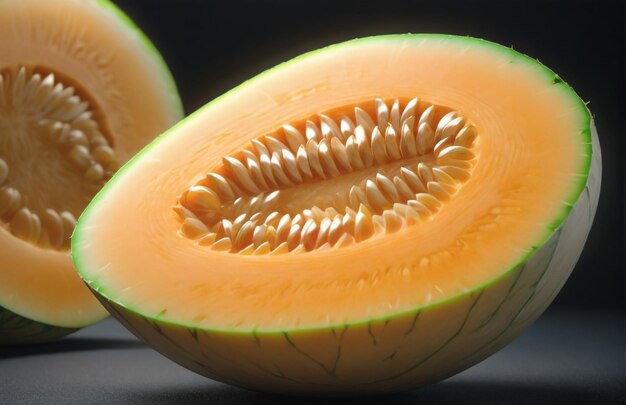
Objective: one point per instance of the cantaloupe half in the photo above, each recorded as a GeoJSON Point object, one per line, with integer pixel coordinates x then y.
{"type": "Point", "coordinates": [370, 217]}
{"type": "Point", "coordinates": [81, 91]}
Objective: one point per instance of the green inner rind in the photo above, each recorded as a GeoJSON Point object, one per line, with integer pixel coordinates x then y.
{"type": "Point", "coordinates": [553, 79]}
{"type": "Point", "coordinates": [169, 84]}
{"type": "Point", "coordinates": [151, 50]}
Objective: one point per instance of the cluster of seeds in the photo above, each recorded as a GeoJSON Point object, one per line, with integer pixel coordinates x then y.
{"type": "Point", "coordinates": [66, 120]}
{"type": "Point", "coordinates": [412, 157]}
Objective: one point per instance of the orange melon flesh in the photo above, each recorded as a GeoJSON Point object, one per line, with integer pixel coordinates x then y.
{"type": "Point", "coordinates": [107, 58]}
{"type": "Point", "coordinates": [532, 161]}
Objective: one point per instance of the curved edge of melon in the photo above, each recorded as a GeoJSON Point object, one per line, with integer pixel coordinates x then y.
{"type": "Point", "coordinates": [29, 330]}
{"type": "Point", "coordinates": [587, 127]}
{"type": "Point", "coordinates": [18, 330]}
{"type": "Point", "coordinates": [151, 50]}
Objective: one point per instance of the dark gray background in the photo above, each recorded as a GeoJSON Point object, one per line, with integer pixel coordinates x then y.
{"type": "Point", "coordinates": [568, 357]}
{"type": "Point", "coordinates": [212, 46]}
{"type": "Point", "coordinates": [573, 354]}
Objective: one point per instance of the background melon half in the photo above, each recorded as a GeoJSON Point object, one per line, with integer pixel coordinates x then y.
{"type": "Point", "coordinates": [81, 91]}
{"type": "Point", "coordinates": [367, 218]}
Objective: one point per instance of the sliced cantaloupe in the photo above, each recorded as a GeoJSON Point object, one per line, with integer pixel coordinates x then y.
{"type": "Point", "coordinates": [370, 217]}
{"type": "Point", "coordinates": [81, 91]}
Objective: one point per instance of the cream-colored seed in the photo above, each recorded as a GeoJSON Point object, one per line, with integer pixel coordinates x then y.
{"type": "Point", "coordinates": [345, 240]}
{"type": "Point", "coordinates": [392, 221]}
{"type": "Point", "coordinates": [194, 228]}
{"type": "Point", "coordinates": [466, 136]}
{"type": "Point", "coordinates": [436, 190]}
{"type": "Point", "coordinates": [386, 200]}
{"type": "Point", "coordinates": [76, 137]}
{"type": "Point", "coordinates": [303, 162]}
{"type": "Point", "coordinates": [356, 197]}
{"type": "Point", "coordinates": [95, 172]}
{"type": "Point", "coordinates": [280, 249]}
{"type": "Point", "coordinates": [21, 225]}
{"type": "Point", "coordinates": [364, 120]}
{"type": "Point", "coordinates": [340, 153]}
{"type": "Point", "coordinates": [291, 166]}
{"type": "Point", "coordinates": [208, 239]}
{"type": "Point", "coordinates": [222, 245]}
{"type": "Point", "coordinates": [424, 172]}
{"type": "Point", "coordinates": [80, 156]}
{"type": "Point", "coordinates": [425, 139]}
{"type": "Point", "coordinates": [69, 223]}
{"type": "Point", "coordinates": [282, 230]}
{"type": "Point", "coordinates": [363, 227]}
{"type": "Point", "coordinates": [279, 171]}
{"type": "Point", "coordinates": [10, 202]}
{"type": "Point", "coordinates": [364, 145]}
{"type": "Point", "coordinates": [274, 145]}
{"type": "Point", "coordinates": [427, 117]}
{"type": "Point", "coordinates": [245, 233]}
{"type": "Point", "coordinates": [457, 173]}
{"type": "Point", "coordinates": [403, 189]}
{"type": "Point", "coordinates": [313, 133]}
{"type": "Point", "coordinates": [238, 170]}
{"type": "Point", "coordinates": [408, 146]}
{"type": "Point", "coordinates": [4, 170]}
{"type": "Point", "coordinates": [202, 198]}
{"type": "Point", "coordinates": [352, 150]}
{"type": "Point", "coordinates": [442, 124]}
{"type": "Point", "coordinates": [347, 126]}
{"type": "Point", "coordinates": [455, 153]}
{"type": "Point", "coordinates": [312, 152]}
{"type": "Point", "coordinates": [329, 127]}
{"type": "Point", "coordinates": [413, 180]}
{"type": "Point", "coordinates": [442, 177]}
{"type": "Point", "coordinates": [382, 114]}
{"type": "Point", "coordinates": [374, 196]}
{"type": "Point", "coordinates": [254, 168]}
{"type": "Point", "coordinates": [428, 201]}
{"type": "Point", "coordinates": [322, 235]}
{"type": "Point", "coordinates": [394, 115]}
{"type": "Point", "coordinates": [293, 136]}
{"type": "Point", "coordinates": [221, 186]}
{"type": "Point", "coordinates": [452, 127]}
{"type": "Point", "coordinates": [408, 214]}
{"type": "Point", "coordinates": [442, 144]}
{"type": "Point", "coordinates": [387, 187]}
{"type": "Point", "coordinates": [391, 144]}
{"type": "Point", "coordinates": [420, 208]}
{"type": "Point", "coordinates": [53, 224]}
{"type": "Point", "coordinates": [263, 249]}
{"type": "Point", "coordinates": [327, 159]}
{"type": "Point", "coordinates": [103, 154]}
{"type": "Point", "coordinates": [378, 147]}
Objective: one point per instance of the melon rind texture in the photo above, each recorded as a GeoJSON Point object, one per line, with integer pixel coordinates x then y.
{"type": "Point", "coordinates": [394, 353]}
{"type": "Point", "coordinates": [17, 329]}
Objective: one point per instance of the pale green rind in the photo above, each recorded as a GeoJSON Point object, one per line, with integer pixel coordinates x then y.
{"type": "Point", "coordinates": [552, 79]}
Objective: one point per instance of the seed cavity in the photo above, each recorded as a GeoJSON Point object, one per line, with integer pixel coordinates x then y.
{"type": "Point", "coordinates": [47, 129]}
{"type": "Point", "coordinates": [332, 180]}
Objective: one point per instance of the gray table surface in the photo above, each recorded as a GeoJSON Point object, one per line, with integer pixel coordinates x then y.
{"type": "Point", "coordinates": [567, 357]}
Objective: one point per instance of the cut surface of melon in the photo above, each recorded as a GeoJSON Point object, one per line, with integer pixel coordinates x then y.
{"type": "Point", "coordinates": [304, 224]}
{"type": "Point", "coordinates": [81, 91]}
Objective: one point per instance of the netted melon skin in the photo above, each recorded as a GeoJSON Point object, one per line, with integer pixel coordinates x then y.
{"type": "Point", "coordinates": [393, 354]}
